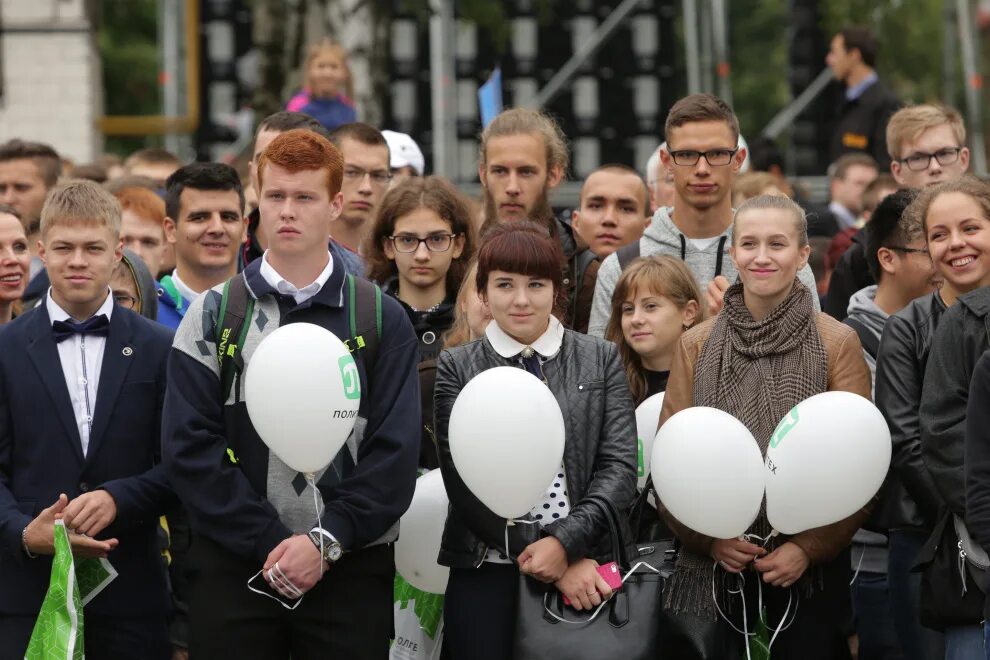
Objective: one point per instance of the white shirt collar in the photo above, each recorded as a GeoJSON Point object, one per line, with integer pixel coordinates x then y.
{"type": "Point", "coordinates": [547, 345]}
{"type": "Point", "coordinates": [187, 293]}
{"type": "Point", "coordinates": [287, 288]}
{"type": "Point", "coordinates": [842, 214]}
{"type": "Point", "coordinates": [56, 313]}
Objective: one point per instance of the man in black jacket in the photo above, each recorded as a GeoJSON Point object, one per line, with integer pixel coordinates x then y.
{"type": "Point", "coordinates": [867, 103]}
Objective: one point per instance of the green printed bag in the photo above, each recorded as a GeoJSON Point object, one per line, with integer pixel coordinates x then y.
{"type": "Point", "coordinates": [418, 623]}
{"type": "Point", "coordinates": [58, 632]}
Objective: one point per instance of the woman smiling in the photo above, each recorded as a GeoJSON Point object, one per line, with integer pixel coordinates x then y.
{"type": "Point", "coordinates": [767, 351]}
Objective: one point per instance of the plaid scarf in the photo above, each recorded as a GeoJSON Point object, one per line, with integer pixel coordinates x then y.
{"type": "Point", "coordinates": [756, 371]}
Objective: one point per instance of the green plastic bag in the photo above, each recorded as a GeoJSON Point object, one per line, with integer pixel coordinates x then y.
{"type": "Point", "coordinates": [58, 632]}
{"type": "Point", "coordinates": [418, 623]}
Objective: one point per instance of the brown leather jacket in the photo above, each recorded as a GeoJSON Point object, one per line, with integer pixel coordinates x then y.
{"type": "Point", "coordinates": [847, 372]}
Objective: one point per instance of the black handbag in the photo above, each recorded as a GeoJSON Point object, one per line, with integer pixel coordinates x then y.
{"type": "Point", "coordinates": [951, 593]}
{"type": "Point", "coordinates": [626, 626]}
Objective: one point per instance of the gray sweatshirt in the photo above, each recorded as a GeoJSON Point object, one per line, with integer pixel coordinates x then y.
{"type": "Point", "coordinates": [863, 309]}
{"type": "Point", "coordinates": [663, 237]}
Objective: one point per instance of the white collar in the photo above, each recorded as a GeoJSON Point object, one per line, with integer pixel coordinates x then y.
{"type": "Point", "coordinates": [547, 345]}
{"type": "Point", "coordinates": [56, 313]}
{"type": "Point", "coordinates": [184, 290]}
{"type": "Point", "coordinates": [285, 287]}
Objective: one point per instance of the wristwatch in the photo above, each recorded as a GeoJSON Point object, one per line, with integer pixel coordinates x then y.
{"type": "Point", "coordinates": [331, 546]}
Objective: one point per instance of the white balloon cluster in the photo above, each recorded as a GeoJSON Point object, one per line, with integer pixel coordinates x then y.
{"type": "Point", "coordinates": [827, 458]}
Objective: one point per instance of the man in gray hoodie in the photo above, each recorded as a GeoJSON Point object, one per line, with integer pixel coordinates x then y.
{"type": "Point", "coordinates": [897, 256]}
{"type": "Point", "coordinates": [704, 155]}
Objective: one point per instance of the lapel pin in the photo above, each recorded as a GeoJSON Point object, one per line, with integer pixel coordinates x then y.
{"type": "Point", "coordinates": [128, 351]}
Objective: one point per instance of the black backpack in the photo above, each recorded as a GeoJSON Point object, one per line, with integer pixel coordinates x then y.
{"type": "Point", "coordinates": [364, 302]}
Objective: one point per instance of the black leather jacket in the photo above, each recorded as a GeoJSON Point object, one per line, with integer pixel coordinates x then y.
{"type": "Point", "coordinates": [588, 381]}
{"type": "Point", "coordinates": [963, 335]}
{"type": "Point", "coordinates": [901, 362]}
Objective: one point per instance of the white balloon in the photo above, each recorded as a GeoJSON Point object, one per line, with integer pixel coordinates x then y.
{"type": "Point", "coordinates": [506, 436]}
{"type": "Point", "coordinates": [302, 391]}
{"type": "Point", "coordinates": [827, 458]}
{"type": "Point", "coordinates": [647, 418]}
{"type": "Point", "coordinates": [708, 471]}
{"type": "Point", "coordinates": [420, 532]}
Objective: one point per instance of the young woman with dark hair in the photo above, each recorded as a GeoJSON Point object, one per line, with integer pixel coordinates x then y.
{"type": "Point", "coordinates": [519, 277]}
{"type": "Point", "coordinates": [420, 247]}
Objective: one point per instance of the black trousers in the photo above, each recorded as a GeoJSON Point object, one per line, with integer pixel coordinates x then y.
{"type": "Point", "coordinates": [348, 614]}
{"type": "Point", "coordinates": [821, 625]}
{"type": "Point", "coordinates": [479, 612]}
{"type": "Point", "coordinates": [105, 638]}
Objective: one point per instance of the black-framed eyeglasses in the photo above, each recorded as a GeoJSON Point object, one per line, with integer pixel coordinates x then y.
{"type": "Point", "coordinates": [714, 157]}
{"type": "Point", "coordinates": [125, 300]}
{"type": "Point", "coordinates": [434, 242]}
{"type": "Point", "coordinates": [907, 250]}
{"type": "Point", "coordinates": [920, 161]}
{"type": "Point", "coordinates": [378, 177]}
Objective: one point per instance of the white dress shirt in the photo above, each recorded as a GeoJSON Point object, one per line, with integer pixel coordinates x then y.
{"type": "Point", "coordinates": [82, 359]}
{"type": "Point", "coordinates": [287, 288]}
{"type": "Point", "coordinates": [555, 504]}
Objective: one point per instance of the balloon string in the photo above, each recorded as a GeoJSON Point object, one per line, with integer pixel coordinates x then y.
{"type": "Point", "coordinates": [311, 480]}
{"type": "Point", "coordinates": [741, 580]}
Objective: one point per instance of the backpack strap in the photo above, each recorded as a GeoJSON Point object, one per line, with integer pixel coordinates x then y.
{"type": "Point", "coordinates": [867, 338]}
{"type": "Point", "coordinates": [364, 317]}
{"type": "Point", "coordinates": [627, 254]}
{"type": "Point", "coordinates": [233, 323]}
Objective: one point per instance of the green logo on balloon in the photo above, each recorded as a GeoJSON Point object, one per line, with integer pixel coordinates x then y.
{"type": "Point", "coordinates": [785, 427]}
{"type": "Point", "coordinates": [642, 467]}
{"type": "Point", "coordinates": [350, 376]}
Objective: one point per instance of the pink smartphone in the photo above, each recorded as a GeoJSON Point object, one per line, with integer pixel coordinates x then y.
{"type": "Point", "coordinates": [610, 573]}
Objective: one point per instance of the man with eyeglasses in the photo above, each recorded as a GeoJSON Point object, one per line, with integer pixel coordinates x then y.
{"type": "Point", "coordinates": [898, 260]}
{"type": "Point", "coordinates": [927, 145]}
{"type": "Point", "coordinates": [366, 177]}
{"type": "Point", "coordinates": [704, 155]}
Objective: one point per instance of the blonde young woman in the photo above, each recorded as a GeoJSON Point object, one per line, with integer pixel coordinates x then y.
{"type": "Point", "coordinates": [765, 352]}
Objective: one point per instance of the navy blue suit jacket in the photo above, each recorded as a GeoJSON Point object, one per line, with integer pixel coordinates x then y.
{"type": "Point", "coordinates": [41, 457]}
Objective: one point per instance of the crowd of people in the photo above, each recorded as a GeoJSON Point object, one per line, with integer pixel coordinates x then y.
{"type": "Point", "coordinates": [133, 296]}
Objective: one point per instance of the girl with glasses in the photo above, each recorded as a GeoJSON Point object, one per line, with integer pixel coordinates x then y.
{"type": "Point", "coordinates": [419, 249]}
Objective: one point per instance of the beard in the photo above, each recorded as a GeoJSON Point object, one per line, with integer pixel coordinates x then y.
{"type": "Point", "coordinates": [541, 213]}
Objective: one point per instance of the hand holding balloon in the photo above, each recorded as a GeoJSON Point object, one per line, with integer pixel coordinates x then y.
{"type": "Point", "coordinates": [545, 560]}
{"type": "Point", "coordinates": [784, 566]}
{"type": "Point", "coordinates": [735, 554]}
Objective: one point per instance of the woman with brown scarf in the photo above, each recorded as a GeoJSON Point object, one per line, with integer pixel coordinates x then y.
{"type": "Point", "coordinates": [767, 351]}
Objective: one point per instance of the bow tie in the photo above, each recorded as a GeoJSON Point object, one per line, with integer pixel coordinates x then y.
{"type": "Point", "coordinates": [98, 326]}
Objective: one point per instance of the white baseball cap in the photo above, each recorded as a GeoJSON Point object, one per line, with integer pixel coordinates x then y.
{"type": "Point", "coordinates": [404, 151]}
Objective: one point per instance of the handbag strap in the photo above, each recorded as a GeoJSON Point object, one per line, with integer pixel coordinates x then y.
{"type": "Point", "coordinates": [616, 536]}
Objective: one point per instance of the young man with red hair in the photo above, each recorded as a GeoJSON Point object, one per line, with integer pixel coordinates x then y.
{"type": "Point", "coordinates": [249, 510]}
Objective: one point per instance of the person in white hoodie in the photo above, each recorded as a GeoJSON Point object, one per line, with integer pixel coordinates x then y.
{"type": "Point", "coordinates": [704, 155]}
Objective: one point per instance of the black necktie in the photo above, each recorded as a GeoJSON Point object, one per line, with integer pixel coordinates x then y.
{"type": "Point", "coordinates": [531, 363]}
{"type": "Point", "coordinates": [97, 326]}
